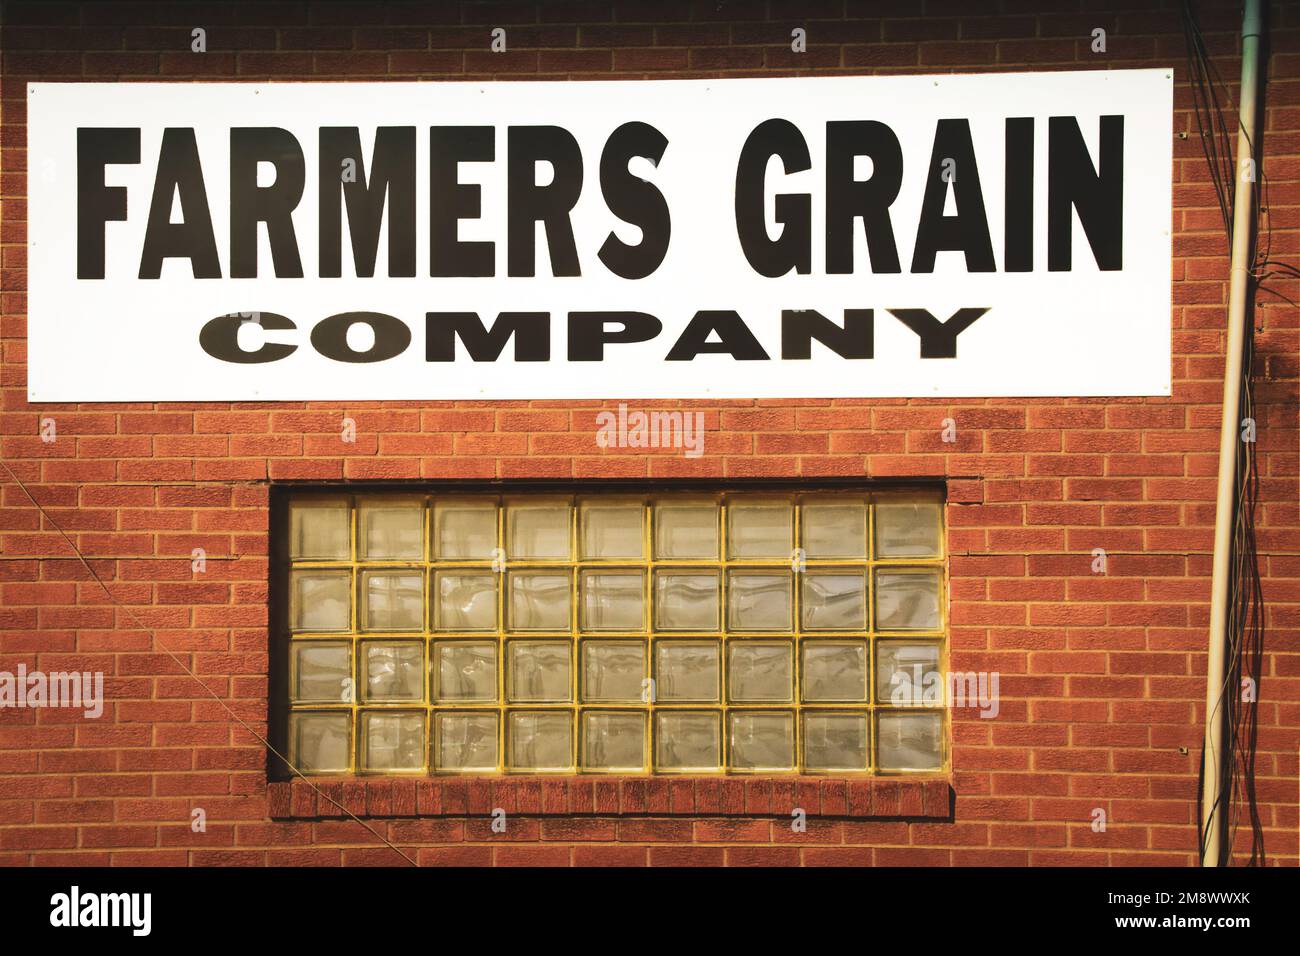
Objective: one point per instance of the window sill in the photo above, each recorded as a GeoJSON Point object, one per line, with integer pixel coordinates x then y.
{"type": "Point", "coordinates": [926, 797]}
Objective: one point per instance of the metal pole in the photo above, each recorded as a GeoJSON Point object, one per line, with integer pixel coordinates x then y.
{"type": "Point", "coordinates": [1212, 815]}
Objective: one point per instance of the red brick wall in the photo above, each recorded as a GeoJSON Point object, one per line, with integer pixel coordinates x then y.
{"type": "Point", "coordinates": [1101, 675]}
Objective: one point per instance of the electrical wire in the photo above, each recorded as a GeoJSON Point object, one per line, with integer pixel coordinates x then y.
{"type": "Point", "coordinates": [1238, 697]}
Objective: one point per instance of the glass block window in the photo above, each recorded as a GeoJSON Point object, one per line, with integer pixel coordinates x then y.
{"type": "Point", "coordinates": [748, 632]}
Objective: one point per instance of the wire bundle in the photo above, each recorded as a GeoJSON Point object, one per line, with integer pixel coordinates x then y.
{"type": "Point", "coordinates": [1245, 631]}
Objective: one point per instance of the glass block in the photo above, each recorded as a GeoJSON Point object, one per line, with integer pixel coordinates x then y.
{"type": "Point", "coordinates": [465, 742]}
{"type": "Point", "coordinates": [390, 530]}
{"type": "Point", "coordinates": [537, 530]}
{"type": "Point", "coordinates": [465, 671]}
{"type": "Point", "coordinates": [320, 600]}
{"type": "Point", "coordinates": [538, 671]}
{"type": "Point", "coordinates": [540, 740]}
{"type": "Point", "coordinates": [834, 601]}
{"type": "Point", "coordinates": [319, 530]}
{"type": "Point", "coordinates": [834, 671]}
{"type": "Point", "coordinates": [762, 741]}
{"type": "Point", "coordinates": [834, 528]}
{"type": "Point", "coordinates": [835, 741]}
{"type": "Point", "coordinates": [686, 601]}
{"type": "Point", "coordinates": [686, 529]}
{"type": "Point", "coordinates": [322, 671]}
{"type": "Point", "coordinates": [759, 600]}
{"type": "Point", "coordinates": [909, 741]}
{"type": "Point", "coordinates": [907, 674]}
{"type": "Point", "coordinates": [613, 741]}
{"type": "Point", "coordinates": [760, 671]}
{"type": "Point", "coordinates": [760, 529]}
{"type": "Point", "coordinates": [908, 529]}
{"type": "Point", "coordinates": [394, 600]}
{"type": "Point", "coordinates": [613, 601]}
{"type": "Point", "coordinates": [320, 743]}
{"type": "Point", "coordinates": [464, 530]}
{"type": "Point", "coordinates": [392, 741]}
{"type": "Point", "coordinates": [907, 600]}
{"type": "Point", "coordinates": [393, 670]}
{"type": "Point", "coordinates": [613, 671]}
{"type": "Point", "coordinates": [466, 601]}
{"type": "Point", "coordinates": [687, 671]}
{"type": "Point", "coordinates": [539, 601]}
{"type": "Point", "coordinates": [688, 740]}
{"type": "Point", "coordinates": [611, 530]}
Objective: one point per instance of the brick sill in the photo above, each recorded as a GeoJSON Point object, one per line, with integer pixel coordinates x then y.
{"type": "Point", "coordinates": [927, 797]}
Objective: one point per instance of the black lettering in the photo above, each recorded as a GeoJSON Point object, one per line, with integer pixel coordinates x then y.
{"type": "Point", "coordinates": [853, 340]}
{"type": "Point", "coordinates": [98, 204]}
{"type": "Point", "coordinates": [848, 199]}
{"type": "Point", "coordinates": [1096, 194]}
{"type": "Point", "coordinates": [450, 200]}
{"type": "Point", "coordinates": [530, 330]}
{"type": "Point", "coordinates": [968, 230]}
{"type": "Point", "coordinates": [634, 200]}
{"type": "Point", "coordinates": [588, 335]}
{"type": "Point", "coordinates": [550, 205]}
{"type": "Point", "coordinates": [938, 339]}
{"type": "Point", "coordinates": [219, 337]}
{"type": "Point", "coordinates": [392, 180]}
{"type": "Point", "coordinates": [1019, 186]}
{"type": "Point", "coordinates": [734, 338]}
{"type": "Point", "coordinates": [793, 250]}
{"type": "Point", "coordinates": [179, 172]}
{"type": "Point", "coordinates": [330, 337]}
{"type": "Point", "coordinates": [273, 205]}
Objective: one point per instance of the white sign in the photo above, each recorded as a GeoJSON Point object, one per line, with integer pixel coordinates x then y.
{"type": "Point", "coordinates": [988, 235]}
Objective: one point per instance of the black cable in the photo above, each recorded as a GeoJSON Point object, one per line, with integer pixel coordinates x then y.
{"type": "Point", "coordinates": [1205, 82]}
{"type": "Point", "coordinates": [1245, 624]}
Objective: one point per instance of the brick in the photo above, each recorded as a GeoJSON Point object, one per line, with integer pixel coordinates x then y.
{"type": "Point", "coordinates": [1101, 674]}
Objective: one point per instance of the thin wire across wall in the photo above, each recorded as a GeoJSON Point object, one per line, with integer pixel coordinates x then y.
{"type": "Point", "coordinates": [155, 642]}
